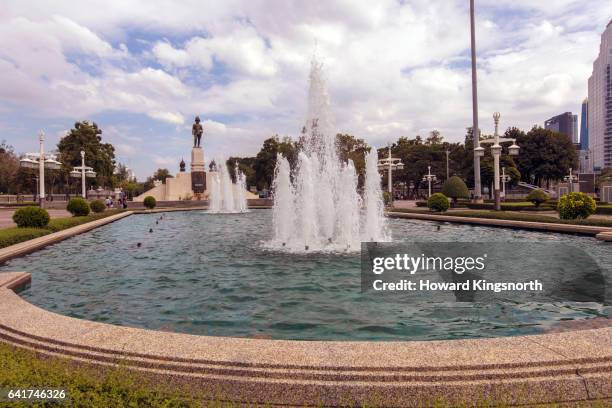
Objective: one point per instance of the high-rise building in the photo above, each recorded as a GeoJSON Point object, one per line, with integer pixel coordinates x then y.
{"type": "Point", "coordinates": [584, 125]}
{"type": "Point", "coordinates": [600, 104]}
{"type": "Point", "coordinates": [566, 124]}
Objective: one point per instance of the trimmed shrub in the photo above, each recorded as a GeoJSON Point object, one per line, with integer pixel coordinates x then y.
{"type": "Point", "coordinates": [78, 207]}
{"type": "Point", "coordinates": [97, 206]}
{"type": "Point", "coordinates": [150, 202]}
{"type": "Point", "coordinates": [438, 202]}
{"type": "Point", "coordinates": [455, 188]}
{"type": "Point", "coordinates": [12, 236]}
{"type": "Point", "coordinates": [576, 205]}
{"type": "Point", "coordinates": [31, 217]}
{"type": "Point", "coordinates": [537, 197]}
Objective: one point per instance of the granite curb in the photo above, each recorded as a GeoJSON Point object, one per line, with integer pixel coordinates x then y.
{"type": "Point", "coordinates": [559, 367]}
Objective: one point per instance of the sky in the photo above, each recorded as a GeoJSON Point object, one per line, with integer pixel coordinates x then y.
{"type": "Point", "coordinates": [142, 70]}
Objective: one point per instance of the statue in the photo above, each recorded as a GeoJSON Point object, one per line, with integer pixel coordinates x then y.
{"type": "Point", "coordinates": [196, 131]}
{"type": "Point", "coordinates": [182, 165]}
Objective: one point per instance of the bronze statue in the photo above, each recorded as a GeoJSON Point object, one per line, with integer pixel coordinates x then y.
{"type": "Point", "coordinates": [196, 131]}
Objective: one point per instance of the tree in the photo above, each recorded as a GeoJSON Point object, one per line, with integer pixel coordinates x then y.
{"type": "Point", "coordinates": [351, 148]}
{"type": "Point", "coordinates": [9, 169]}
{"type": "Point", "coordinates": [100, 156]}
{"type": "Point", "coordinates": [162, 175]}
{"type": "Point", "coordinates": [434, 138]}
{"type": "Point", "coordinates": [265, 161]}
{"type": "Point", "coordinates": [545, 155]}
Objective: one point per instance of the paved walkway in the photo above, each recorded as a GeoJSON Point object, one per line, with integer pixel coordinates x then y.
{"type": "Point", "coordinates": [6, 216]}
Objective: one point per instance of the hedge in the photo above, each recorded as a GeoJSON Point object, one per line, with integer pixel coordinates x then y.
{"type": "Point", "coordinates": [88, 386]}
{"type": "Point", "coordinates": [516, 206]}
{"type": "Point", "coordinates": [500, 215]}
{"type": "Point", "coordinates": [11, 236]}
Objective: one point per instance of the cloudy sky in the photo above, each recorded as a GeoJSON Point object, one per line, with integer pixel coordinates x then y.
{"type": "Point", "coordinates": [143, 69]}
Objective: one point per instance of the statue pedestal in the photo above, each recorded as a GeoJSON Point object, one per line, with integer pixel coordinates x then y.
{"type": "Point", "coordinates": [198, 175]}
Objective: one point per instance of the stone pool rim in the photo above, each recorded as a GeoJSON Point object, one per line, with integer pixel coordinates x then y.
{"type": "Point", "coordinates": [557, 367]}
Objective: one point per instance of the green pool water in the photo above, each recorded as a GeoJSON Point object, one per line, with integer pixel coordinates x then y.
{"type": "Point", "coordinates": [212, 274]}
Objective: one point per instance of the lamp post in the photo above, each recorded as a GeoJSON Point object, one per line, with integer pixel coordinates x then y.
{"type": "Point", "coordinates": [478, 151]}
{"type": "Point", "coordinates": [447, 172]}
{"type": "Point", "coordinates": [429, 178]}
{"type": "Point", "coordinates": [390, 164]}
{"type": "Point", "coordinates": [40, 161]}
{"type": "Point", "coordinates": [504, 178]}
{"type": "Point", "coordinates": [570, 178]}
{"type": "Point", "coordinates": [83, 171]}
{"type": "Point", "coordinates": [496, 151]}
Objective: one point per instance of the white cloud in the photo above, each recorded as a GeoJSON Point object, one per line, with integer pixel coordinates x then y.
{"type": "Point", "coordinates": [393, 69]}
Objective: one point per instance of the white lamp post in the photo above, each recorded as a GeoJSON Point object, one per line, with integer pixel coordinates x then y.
{"type": "Point", "coordinates": [496, 151]}
{"type": "Point", "coordinates": [41, 161]}
{"type": "Point", "coordinates": [570, 178]}
{"type": "Point", "coordinates": [390, 164]}
{"type": "Point", "coordinates": [83, 171]}
{"type": "Point", "coordinates": [429, 178]}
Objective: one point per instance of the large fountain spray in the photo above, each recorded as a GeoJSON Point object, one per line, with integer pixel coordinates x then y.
{"type": "Point", "coordinates": [317, 207]}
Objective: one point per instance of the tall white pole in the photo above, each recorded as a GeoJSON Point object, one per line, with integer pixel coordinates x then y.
{"type": "Point", "coordinates": [496, 149]}
{"type": "Point", "coordinates": [41, 169]}
{"type": "Point", "coordinates": [571, 182]}
{"type": "Point", "coordinates": [447, 172]}
{"type": "Point", "coordinates": [390, 186]}
{"type": "Point", "coordinates": [429, 179]}
{"type": "Point", "coordinates": [475, 128]}
{"type": "Point", "coordinates": [82, 173]}
{"type": "Point", "coordinates": [504, 181]}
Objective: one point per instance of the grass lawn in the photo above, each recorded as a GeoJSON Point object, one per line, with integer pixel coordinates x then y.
{"type": "Point", "coordinates": [87, 386]}
{"type": "Point", "coordinates": [513, 216]}
{"type": "Point", "coordinates": [15, 235]}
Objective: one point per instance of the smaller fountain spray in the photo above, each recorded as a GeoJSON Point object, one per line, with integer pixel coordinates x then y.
{"type": "Point", "coordinates": [225, 196]}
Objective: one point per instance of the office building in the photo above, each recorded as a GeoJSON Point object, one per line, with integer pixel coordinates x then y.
{"type": "Point", "coordinates": [600, 105]}
{"type": "Point", "coordinates": [566, 124]}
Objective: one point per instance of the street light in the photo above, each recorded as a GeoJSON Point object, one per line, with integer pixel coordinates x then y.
{"type": "Point", "coordinates": [429, 178]}
{"type": "Point", "coordinates": [82, 171]}
{"type": "Point", "coordinates": [496, 151]}
{"type": "Point", "coordinates": [390, 164]}
{"type": "Point", "coordinates": [570, 178]}
{"type": "Point", "coordinates": [41, 161]}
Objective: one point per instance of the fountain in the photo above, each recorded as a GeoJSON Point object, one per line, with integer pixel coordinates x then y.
{"type": "Point", "coordinates": [225, 196]}
{"type": "Point", "coordinates": [317, 207]}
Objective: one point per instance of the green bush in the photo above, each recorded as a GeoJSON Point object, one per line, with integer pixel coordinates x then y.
{"type": "Point", "coordinates": [576, 205]}
{"type": "Point", "coordinates": [455, 188]}
{"type": "Point", "coordinates": [78, 207]}
{"type": "Point", "coordinates": [31, 217]}
{"type": "Point", "coordinates": [97, 206]}
{"type": "Point", "coordinates": [438, 202]}
{"type": "Point", "coordinates": [150, 202]}
{"type": "Point", "coordinates": [537, 197]}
